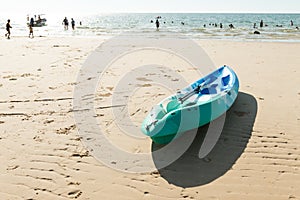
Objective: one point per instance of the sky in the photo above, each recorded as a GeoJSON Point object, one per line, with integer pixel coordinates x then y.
{"type": "Point", "coordinates": [158, 6]}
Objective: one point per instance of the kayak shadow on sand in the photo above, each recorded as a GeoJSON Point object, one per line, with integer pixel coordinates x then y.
{"type": "Point", "coordinates": [190, 171]}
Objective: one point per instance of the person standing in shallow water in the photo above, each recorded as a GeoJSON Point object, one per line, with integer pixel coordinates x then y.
{"type": "Point", "coordinates": [261, 24]}
{"type": "Point", "coordinates": [73, 23]}
{"type": "Point", "coordinates": [30, 31]}
{"type": "Point", "coordinates": [8, 27]}
{"type": "Point", "coordinates": [157, 24]}
{"type": "Point", "coordinates": [66, 23]}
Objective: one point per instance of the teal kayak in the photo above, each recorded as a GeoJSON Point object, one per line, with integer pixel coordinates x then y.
{"type": "Point", "coordinates": [196, 105]}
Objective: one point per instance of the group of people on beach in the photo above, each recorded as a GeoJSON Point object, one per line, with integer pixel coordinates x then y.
{"type": "Point", "coordinates": [66, 23]}
{"type": "Point", "coordinates": [31, 25]}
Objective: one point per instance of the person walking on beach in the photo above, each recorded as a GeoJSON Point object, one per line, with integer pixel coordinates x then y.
{"type": "Point", "coordinates": [8, 27]}
{"type": "Point", "coordinates": [30, 31]}
{"type": "Point", "coordinates": [73, 23]}
{"type": "Point", "coordinates": [261, 24]}
{"type": "Point", "coordinates": [66, 23]}
{"type": "Point", "coordinates": [157, 24]}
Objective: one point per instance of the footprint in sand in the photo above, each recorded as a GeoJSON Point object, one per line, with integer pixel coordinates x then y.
{"type": "Point", "coordinates": [74, 183]}
{"type": "Point", "coordinates": [74, 194]}
{"type": "Point", "coordinates": [49, 121]}
{"type": "Point", "coordinates": [110, 88]}
{"type": "Point", "coordinates": [52, 88]}
{"type": "Point", "coordinates": [90, 78]}
{"type": "Point", "coordinates": [105, 95]}
{"type": "Point", "coordinates": [67, 130]}
{"type": "Point", "coordinates": [56, 45]}
{"type": "Point", "coordinates": [37, 138]}
{"type": "Point", "coordinates": [144, 85]}
{"type": "Point", "coordinates": [26, 75]}
{"type": "Point", "coordinates": [143, 79]}
{"type": "Point", "coordinates": [10, 168]}
{"type": "Point", "coordinates": [72, 84]}
{"type": "Point", "coordinates": [81, 155]}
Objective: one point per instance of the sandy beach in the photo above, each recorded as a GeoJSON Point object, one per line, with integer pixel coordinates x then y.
{"type": "Point", "coordinates": [42, 156]}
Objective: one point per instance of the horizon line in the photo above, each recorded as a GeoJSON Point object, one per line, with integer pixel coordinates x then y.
{"type": "Point", "coordinates": [170, 12]}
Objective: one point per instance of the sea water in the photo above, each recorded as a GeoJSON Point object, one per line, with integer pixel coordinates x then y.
{"type": "Point", "coordinates": [277, 27]}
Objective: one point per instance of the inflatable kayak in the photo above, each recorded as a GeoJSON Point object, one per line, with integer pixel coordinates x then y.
{"type": "Point", "coordinates": [196, 105]}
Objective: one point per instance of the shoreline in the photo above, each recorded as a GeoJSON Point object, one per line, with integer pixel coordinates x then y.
{"type": "Point", "coordinates": [104, 38]}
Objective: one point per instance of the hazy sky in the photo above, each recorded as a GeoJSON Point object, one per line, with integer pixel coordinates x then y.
{"type": "Point", "coordinates": [100, 6]}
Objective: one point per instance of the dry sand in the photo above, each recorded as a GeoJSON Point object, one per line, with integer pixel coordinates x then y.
{"type": "Point", "coordinates": [42, 157]}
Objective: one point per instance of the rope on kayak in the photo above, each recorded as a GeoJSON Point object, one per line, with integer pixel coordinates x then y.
{"type": "Point", "coordinates": [188, 95]}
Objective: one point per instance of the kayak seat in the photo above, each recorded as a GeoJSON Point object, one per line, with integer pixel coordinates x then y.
{"type": "Point", "coordinates": [172, 105]}
{"type": "Point", "coordinates": [211, 90]}
{"type": "Point", "coordinates": [225, 80]}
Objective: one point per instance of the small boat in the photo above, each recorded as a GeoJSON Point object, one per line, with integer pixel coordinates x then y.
{"type": "Point", "coordinates": [40, 22]}
{"type": "Point", "coordinates": [196, 105]}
